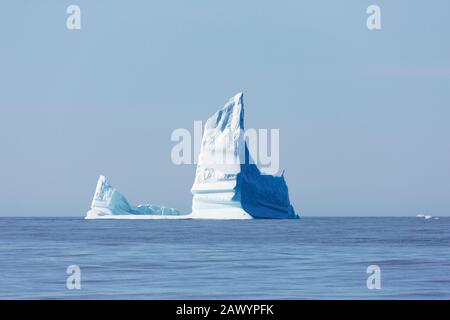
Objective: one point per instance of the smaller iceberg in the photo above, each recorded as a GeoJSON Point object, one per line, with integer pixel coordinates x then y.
{"type": "Point", "coordinates": [426, 217]}
{"type": "Point", "coordinates": [110, 203]}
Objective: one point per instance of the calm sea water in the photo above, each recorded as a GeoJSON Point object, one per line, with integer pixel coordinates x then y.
{"type": "Point", "coordinates": [260, 259]}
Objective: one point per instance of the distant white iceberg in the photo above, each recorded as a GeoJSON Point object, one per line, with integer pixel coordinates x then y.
{"type": "Point", "coordinates": [110, 203]}
{"type": "Point", "coordinates": [234, 189]}
{"type": "Point", "coordinates": [426, 217]}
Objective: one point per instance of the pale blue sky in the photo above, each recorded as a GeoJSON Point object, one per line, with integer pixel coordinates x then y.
{"type": "Point", "coordinates": [363, 115]}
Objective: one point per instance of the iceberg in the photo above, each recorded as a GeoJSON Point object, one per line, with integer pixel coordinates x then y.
{"type": "Point", "coordinates": [228, 185]}
{"type": "Point", "coordinates": [110, 203]}
{"type": "Point", "coordinates": [426, 217]}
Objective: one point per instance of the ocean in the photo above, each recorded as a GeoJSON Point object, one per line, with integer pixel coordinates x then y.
{"type": "Point", "coordinates": [310, 258]}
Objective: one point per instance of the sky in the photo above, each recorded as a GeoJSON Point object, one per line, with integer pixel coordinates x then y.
{"type": "Point", "coordinates": [363, 115]}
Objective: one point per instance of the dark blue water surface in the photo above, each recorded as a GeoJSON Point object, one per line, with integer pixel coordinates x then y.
{"type": "Point", "coordinates": [192, 259]}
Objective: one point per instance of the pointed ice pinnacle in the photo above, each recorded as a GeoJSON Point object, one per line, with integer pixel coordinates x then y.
{"type": "Point", "coordinates": [108, 202]}
{"type": "Point", "coordinates": [227, 183]}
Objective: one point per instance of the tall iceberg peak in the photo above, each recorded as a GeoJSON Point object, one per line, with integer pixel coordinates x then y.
{"type": "Point", "coordinates": [222, 143]}
{"type": "Point", "coordinates": [108, 202]}
{"type": "Point", "coordinates": [227, 184]}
